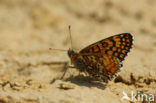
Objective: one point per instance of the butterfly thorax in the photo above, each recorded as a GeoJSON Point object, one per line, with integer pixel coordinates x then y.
{"type": "Point", "coordinates": [77, 60]}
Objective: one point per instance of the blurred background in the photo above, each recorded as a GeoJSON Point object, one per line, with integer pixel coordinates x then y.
{"type": "Point", "coordinates": [28, 28]}
{"type": "Point", "coordinates": [37, 25]}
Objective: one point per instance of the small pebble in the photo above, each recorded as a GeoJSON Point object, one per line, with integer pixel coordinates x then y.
{"type": "Point", "coordinates": [67, 86]}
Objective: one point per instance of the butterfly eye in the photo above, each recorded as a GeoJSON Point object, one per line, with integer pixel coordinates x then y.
{"type": "Point", "coordinates": [71, 53]}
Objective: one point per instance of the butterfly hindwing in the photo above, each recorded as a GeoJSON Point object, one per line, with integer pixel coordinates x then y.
{"type": "Point", "coordinates": [101, 65]}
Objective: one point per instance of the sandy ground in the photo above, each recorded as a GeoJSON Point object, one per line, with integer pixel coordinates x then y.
{"type": "Point", "coordinates": [30, 72]}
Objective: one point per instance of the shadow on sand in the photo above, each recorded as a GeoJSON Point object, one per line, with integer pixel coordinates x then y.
{"type": "Point", "coordinates": [86, 81]}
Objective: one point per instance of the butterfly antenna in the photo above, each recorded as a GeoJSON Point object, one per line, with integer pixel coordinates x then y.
{"type": "Point", "coordinates": [70, 37]}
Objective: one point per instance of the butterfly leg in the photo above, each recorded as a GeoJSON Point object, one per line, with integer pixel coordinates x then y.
{"type": "Point", "coordinates": [66, 70]}
{"type": "Point", "coordinates": [104, 78]}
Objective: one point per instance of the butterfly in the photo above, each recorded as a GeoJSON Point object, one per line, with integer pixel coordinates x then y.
{"type": "Point", "coordinates": [102, 59]}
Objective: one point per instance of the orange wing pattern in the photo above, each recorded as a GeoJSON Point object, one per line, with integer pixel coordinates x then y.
{"type": "Point", "coordinates": [117, 45]}
{"type": "Point", "coordinates": [104, 66]}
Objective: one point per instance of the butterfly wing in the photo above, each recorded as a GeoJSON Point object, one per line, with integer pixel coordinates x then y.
{"type": "Point", "coordinates": [117, 46]}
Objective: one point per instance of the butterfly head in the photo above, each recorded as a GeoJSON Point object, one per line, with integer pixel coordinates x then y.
{"type": "Point", "coordinates": [71, 52]}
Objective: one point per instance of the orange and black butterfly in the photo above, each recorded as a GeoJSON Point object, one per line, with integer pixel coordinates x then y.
{"type": "Point", "coordinates": [102, 59]}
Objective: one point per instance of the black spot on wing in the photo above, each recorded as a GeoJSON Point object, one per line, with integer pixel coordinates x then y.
{"type": "Point", "coordinates": [125, 46]}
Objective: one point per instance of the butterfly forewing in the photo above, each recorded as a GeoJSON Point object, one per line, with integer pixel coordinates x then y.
{"type": "Point", "coordinates": [118, 46]}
